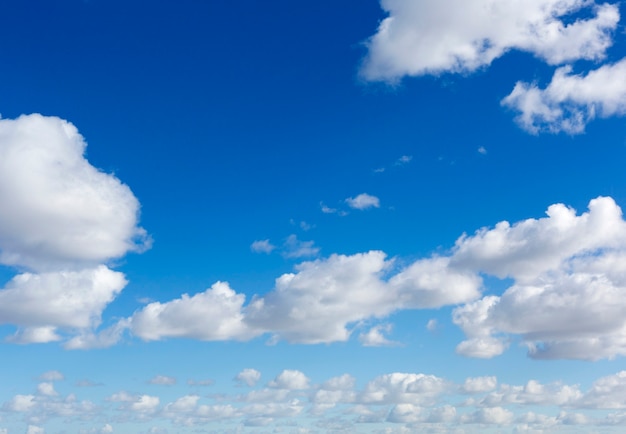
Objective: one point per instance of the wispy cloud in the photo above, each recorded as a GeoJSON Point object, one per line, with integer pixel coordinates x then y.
{"type": "Point", "coordinates": [363, 201]}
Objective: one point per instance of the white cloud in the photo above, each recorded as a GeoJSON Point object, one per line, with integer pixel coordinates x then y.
{"type": "Point", "coordinates": [432, 283]}
{"type": "Point", "coordinates": [375, 337]}
{"type": "Point", "coordinates": [39, 303]}
{"type": "Point", "coordinates": [531, 247]}
{"type": "Point", "coordinates": [262, 246]}
{"type": "Point", "coordinates": [145, 404]}
{"type": "Point", "coordinates": [363, 201]}
{"type": "Point", "coordinates": [291, 380]}
{"type": "Point", "coordinates": [569, 273]}
{"type": "Point", "coordinates": [403, 388]}
{"type": "Point", "coordinates": [570, 101]}
{"type": "Point", "coordinates": [432, 325]}
{"type": "Point", "coordinates": [294, 248]}
{"type": "Point", "coordinates": [33, 429]}
{"type": "Point", "coordinates": [60, 219]}
{"type": "Point", "coordinates": [432, 36]}
{"type": "Point", "coordinates": [248, 376]}
{"type": "Point", "coordinates": [490, 416]}
{"type": "Point", "coordinates": [213, 315]}
{"type": "Point", "coordinates": [56, 210]}
{"type": "Point", "coordinates": [405, 159]}
{"type": "Point", "coordinates": [163, 380]}
{"type": "Point", "coordinates": [479, 384]}
{"type": "Point", "coordinates": [482, 150]}
{"type": "Point", "coordinates": [20, 403]}
{"type": "Point", "coordinates": [316, 303]}
{"type": "Point", "coordinates": [46, 389]}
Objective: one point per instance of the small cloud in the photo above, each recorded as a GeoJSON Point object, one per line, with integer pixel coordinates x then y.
{"type": "Point", "coordinates": [363, 201]}
{"type": "Point", "coordinates": [248, 377]}
{"type": "Point", "coordinates": [262, 246]}
{"type": "Point", "coordinates": [432, 325]}
{"type": "Point", "coordinates": [163, 380]}
{"type": "Point", "coordinates": [46, 389]}
{"type": "Point", "coordinates": [482, 150]}
{"type": "Point", "coordinates": [327, 210]}
{"type": "Point", "coordinates": [294, 248]}
{"type": "Point", "coordinates": [379, 170]}
{"type": "Point", "coordinates": [375, 337]}
{"type": "Point", "coordinates": [305, 226]}
{"type": "Point", "coordinates": [404, 160]}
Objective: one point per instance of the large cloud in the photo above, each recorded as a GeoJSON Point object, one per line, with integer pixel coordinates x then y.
{"type": "Point", "coordinates": [323, 301]}
{"type": "Point", "coordinates": [62, 219]}
{"type": "Point", "coordinates": [567, 300]}
{"type": "Point", "coordinates": [434, 36]}
{"type": "Point", "coordinates": [570, 101]}
{"type": "Point", "coordinates": [57, 210]}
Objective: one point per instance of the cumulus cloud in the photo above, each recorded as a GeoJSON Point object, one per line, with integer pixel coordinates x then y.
{"type": "Point", "coordinates": [40, 303]}
{"type": "Point", "coordinates": [291, 380]}
{"type": "Point", "coordinates": [61, 219]}
{"type": "Point", "coordinates": [570, 101]}
{"type": "Point", "coordinates": [215, 314]}
{"type": "Point", "coordinates": [375, 337]}
{"type": "Point", "coordinates": [432, 37]}
{"type": "Point", "coordinates": [56, 209]}
{"type": "Point", "coordinates": [363, 201]}
{"type": "Point", "coordinates": [249, 377]}
{"type": "Point", "coordinates": [569, 275]}
{"type": "Point", "coordinates": [318, 302]}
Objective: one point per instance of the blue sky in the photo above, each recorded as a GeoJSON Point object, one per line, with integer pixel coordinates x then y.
{"type": "Point", "coordinates": [312, 217]}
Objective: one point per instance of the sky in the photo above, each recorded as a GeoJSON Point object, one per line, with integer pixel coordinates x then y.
{"type": "Point", "coordinates": [353, 216]}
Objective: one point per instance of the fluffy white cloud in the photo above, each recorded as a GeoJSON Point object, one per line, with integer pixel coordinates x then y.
{"type": "Point", "coordinates": [531, 247]}
{"type": "Point", "coordinates": [316, 303]}
{"type": "Point", "coordinates": [479, 384]}
{"type": "Point", "coordinates": [567, 297]}
{"type": "Point", "coordinates": [46, 389]}
{"type": "Point", "coordinates": [495, 416]}
{"type": "Point", "coordinates": [433, 36]}
{"type": "Point", "coordinates": [375, 337]}
{"type": "Point", "coordinates": [215, 314]}
{"type": "Point", "coordinates": [403, 388]}
{"type": "Point", "coordinates": [60, 218]}
{"type": "Point", "coordinates": [570, 101]}
{"type": "Point", "coordinates": [57, 210]}
{"type": "Point", "coordinates": [40, 303]}
{"type": "Point", "coordinates": [363, 201]}
{"type": "Point", "coordinates": [291, 380]}
{"type": "Point", "coordinates": [248, 376]}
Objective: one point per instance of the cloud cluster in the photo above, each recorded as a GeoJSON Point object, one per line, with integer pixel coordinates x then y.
{"type": "Point", "coordinates": [565, 300]}
{"type": "Point", "coordinates": [569, 276]}
{"type": "Point", "coordinates": [410, 402]}
{"type": "Point", "coordinates": [430, 37]}
{"type": "Point", "coordinates": [61, 219]}
{"type": "Point", "coordinates": [570, 101]}
{"type": "Point", "coordinates": [323, 301]}
{"type": "Point", "coordinates": [460, 36]}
